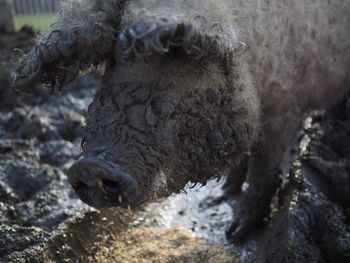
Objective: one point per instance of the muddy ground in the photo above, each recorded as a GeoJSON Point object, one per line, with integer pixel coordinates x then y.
{"type": "Point", "coordinates": [41, 219]}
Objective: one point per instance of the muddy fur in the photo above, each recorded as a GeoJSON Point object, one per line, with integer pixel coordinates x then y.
{"type": "Point", "coordinates": [84, 35]}
{"type": "Point", "coordinates": [181, 101]}
{"type": "Point", "coordinates": [160, 125]}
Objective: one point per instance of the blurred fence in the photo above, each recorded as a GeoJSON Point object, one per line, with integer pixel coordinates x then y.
{"type": "Point", "coordinates": [26, 7]}
{"type": "Point", "coordinates": [6, 19]}
{"type": "Point", "coordinates": [36, 13]}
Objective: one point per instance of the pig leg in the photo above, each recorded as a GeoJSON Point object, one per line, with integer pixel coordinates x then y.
{"type": "Point", "coordinates": [84, 35]}
{"type": "Point", "coordinates": [235, 180]}
{"type": "Point", "coordinates": [264, 168]}
{"type": "Point", "coordinates": [254, 203]}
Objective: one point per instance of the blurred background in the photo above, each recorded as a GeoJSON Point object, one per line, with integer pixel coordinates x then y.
{"type": "Point", "coordinates": [39, 14]}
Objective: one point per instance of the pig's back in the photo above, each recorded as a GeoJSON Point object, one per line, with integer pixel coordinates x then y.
{"type": "Point", "coordinates": [298, 49]}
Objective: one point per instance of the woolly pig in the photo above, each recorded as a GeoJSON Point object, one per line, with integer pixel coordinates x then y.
{"type": "Point", "coordinates": [193, 90]}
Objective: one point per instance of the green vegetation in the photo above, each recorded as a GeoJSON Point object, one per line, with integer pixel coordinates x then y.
{"type": "Point", "coordinates": [37, 21]}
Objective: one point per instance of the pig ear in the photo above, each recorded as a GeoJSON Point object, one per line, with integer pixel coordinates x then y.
{"type": "Point", "coordinates": [197, 42]}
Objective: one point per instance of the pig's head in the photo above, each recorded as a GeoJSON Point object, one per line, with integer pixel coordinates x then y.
{"type": "Point", "coordinates": [180, 108]}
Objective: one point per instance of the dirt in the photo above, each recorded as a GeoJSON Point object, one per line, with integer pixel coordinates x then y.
{"type": "Point", "coordinates": [312, 224]}
{"type": "Point", "coordinates": [39, 136]}
{"type": "Point", "coordinates": [156, 245]}
{"type": "Point", "coordinates": [42, 220]}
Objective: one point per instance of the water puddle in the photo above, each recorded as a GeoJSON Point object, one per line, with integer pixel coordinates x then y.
{"type": "Point", "coordinates": [199, 212]}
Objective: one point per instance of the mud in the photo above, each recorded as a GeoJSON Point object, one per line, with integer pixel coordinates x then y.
{"type": "Point", "coordinates": [39, 136]}
{"type": "Point", "coordinates": [313, 222]}
{"type": "Point", "coordinates": [41, 219]}
{"type": "Point", "coordinates": [156, 245]}
{"type": "Point", "coordinates": [36, 145]}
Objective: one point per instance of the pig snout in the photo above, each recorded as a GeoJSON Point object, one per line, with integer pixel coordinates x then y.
{"type": "Point", "coordinates": [102, 183]}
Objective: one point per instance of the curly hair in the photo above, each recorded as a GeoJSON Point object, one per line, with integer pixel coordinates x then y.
{"type": "Point", "coordinates": [88, 33]}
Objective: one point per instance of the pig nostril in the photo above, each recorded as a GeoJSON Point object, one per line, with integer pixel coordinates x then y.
{"type": "Point", "coordinates": [110, 184]}
{"type": "Point", "coordinates": [80, 186]}
{"type": "Point", "coordinates": [102, 183]}
{"type": "Point", "coordinates": [114, 190]}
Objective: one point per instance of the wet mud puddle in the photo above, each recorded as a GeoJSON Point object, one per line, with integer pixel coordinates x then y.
{"type": "Point", "coordinates": [184, 228]}
{"type": "Point", "coordinates": [199, 213]}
